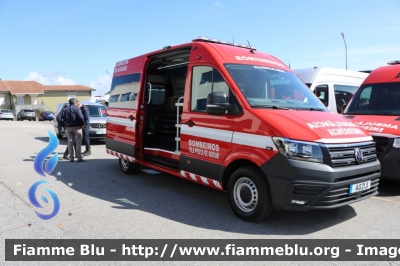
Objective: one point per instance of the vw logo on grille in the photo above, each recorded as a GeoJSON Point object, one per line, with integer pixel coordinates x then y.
{"type": "Point", "coordinates": [358, 154]}
{"type": "Point", "coordinates": [102, 125]}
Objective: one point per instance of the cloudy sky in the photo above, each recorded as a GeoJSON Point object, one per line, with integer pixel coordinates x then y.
{"type": "Point", "coordinates": [78, 42]}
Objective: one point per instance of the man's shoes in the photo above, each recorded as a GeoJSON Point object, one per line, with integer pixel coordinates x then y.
{"type": "Point", "coordinates": [81, 161]}
{"type": "Point", "coordinates": [71, 160]}
{"type": "Point", "coordinates": [87, 152]}
{"type": "Point", "coordinates": [65, 157]}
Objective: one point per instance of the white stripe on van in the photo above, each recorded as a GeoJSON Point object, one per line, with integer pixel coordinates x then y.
{"type": "Point", "coordinates": [344, 140]}
{"type": "Point", "coordinates": [252, 140]}
{"type": "Point", "coordinates": [209, 133]}
{"type": "Point", "coordinates": [121, 121]}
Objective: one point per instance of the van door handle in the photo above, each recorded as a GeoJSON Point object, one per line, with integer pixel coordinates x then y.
{"type": "Point", "coordinates": [190, 123]}
{"type": "Point", "coordinates": [131, 117]}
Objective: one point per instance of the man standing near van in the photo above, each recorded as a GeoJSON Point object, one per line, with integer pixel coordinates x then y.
{"type": "Point", "coordinates": [73, 121]}
{"type": "Point", "coordinates": [86, 114]}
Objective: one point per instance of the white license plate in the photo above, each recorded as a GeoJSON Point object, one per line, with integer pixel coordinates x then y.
{"type": "Point", "coordinates": [360, 186]}
{"type": "Point", "coordinates": [101, 132]}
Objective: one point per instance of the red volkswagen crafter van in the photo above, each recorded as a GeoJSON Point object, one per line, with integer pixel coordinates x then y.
{"type": "Point", "coordinates": [376, 108]}
{"type": "Point", "coordinates": [237, 120]}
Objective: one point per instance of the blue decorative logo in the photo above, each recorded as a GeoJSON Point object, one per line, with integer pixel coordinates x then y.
{"type": "Point", "coordinates": [42, 167]}
{"type": "Point", "coordinates": [34, 201]}
{"type": "Point", "coordinates": [42, 155]}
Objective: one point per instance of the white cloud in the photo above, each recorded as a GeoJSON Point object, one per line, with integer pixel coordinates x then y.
{"type": "Point", "coordinates": [101, 85]}
{"type": "Point", "coordinates": [218, 4]}
{"type": "Point", "coordinates": [49, 79]}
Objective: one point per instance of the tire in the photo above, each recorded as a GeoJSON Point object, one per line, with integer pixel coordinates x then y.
{"type": "Point", "coordinates": [248, 183]}
{"type": "Point", "coordinates": [127, 167]}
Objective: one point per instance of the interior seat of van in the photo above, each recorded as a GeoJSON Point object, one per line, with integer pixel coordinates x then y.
{"type": "Point", "coordinates": [342, 98]}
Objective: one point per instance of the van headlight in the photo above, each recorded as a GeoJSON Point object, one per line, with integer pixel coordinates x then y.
{"type": "Point", "coordinates": [299, 150]}
{"type": "Point", "coordinates": [396, 143]}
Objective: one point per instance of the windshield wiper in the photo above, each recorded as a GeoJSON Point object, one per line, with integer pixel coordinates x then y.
{"type": "Point", "coordinates": [271, 106]}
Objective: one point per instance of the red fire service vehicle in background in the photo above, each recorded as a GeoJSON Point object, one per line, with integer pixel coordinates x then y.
{"type": "Point", "coordinates": [376, 108]}
{"type": "Point", "coordinates": [237, 120]}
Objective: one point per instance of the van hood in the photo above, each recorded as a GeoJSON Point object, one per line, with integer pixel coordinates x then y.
{"type": "Point", "coordinates": [378, 125]}
{"type": "Point", "coordinates": [315, 126]}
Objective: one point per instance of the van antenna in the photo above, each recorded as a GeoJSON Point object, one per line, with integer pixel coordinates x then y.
{"type": "Point", "coordinates": [251, 48]}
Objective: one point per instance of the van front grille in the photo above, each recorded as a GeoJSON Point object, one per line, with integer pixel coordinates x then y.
{"type": "Point", "coordinates": [341, 155]}
{"type": "Point", "coordinates": [381, 144]}
{"type": "Point", "coordinates": [97, 125]}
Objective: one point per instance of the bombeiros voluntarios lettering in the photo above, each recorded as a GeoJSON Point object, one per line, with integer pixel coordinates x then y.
{"type": "Point", "coordinates": [121, 66]}
{"type": "Point", "coordinates": [257, 59]}
{"type": "Point", "coordinates": [203, 148]}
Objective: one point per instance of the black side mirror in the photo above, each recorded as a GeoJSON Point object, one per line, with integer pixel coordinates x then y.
{"type": "Point", "coordinates": [217, 103]}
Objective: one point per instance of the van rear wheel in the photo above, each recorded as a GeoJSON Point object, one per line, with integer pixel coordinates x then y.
{"type": "Point", "coordinates": [249, 194]}
{"type": "Point", "coordinates": [128, 167]}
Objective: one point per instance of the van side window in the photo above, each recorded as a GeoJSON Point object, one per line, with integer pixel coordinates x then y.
{"type": "Point", "coordinates": [364, 98]}
{"type": "Point", "coordinates": [204, 81]}
{"type": "Point", "coordinates": [322, 93]}
{"type": "Point", "coordinates": [124, 90]}
{"type": "Point", "coordinates": [134, 96]}
{"type": "Point", "coordinates": [114, 98]}
{"type": "Point", "coordinates": [343, 94]}
{"type": "Point", "coordinates": [125, 97]}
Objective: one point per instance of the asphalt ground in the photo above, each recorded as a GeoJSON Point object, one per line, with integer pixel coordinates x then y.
{"type": "Point", "coordinates": [98, 201]}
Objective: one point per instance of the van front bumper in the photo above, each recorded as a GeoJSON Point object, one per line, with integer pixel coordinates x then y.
{"type": "Point", "coordinates": [390, 164]}
{"type": "Point", "coordinates": [299, 185]}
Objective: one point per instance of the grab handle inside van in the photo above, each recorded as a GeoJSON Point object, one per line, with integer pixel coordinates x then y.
{"type": "Point", "coordinates": [148, 83]}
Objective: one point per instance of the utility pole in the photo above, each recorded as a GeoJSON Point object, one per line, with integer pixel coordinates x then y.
{"type": "Point", "coordinates": [345, 47]}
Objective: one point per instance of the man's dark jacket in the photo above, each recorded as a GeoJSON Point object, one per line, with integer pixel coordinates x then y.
{"type": "Point", "coordinates": [71, 116]}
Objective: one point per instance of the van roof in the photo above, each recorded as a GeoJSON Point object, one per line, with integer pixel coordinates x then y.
{"type": "Point", "coordinates": [384, 74]}
{"type": "Point", "coordinates": [227, 53]}
{"type": "Point", "coordinates": [308, 75]}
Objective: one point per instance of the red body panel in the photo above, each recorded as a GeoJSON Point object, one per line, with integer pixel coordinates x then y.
{"type": "Point", "coordinates": [379, 125]}
{"type": "Point", "coordinates": [120, 132]}
{"type": "Point", "coordinates": [130, 66]}
{"type": "Point", "coordinates": [384, 74]}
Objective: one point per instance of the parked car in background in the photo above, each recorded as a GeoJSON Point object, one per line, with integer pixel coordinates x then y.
{"type": "Point", "coordinates": [6, 114]}
{"type": "Point", "coordinates": [98, 115]}
{"type": "Point", "coordinates": [26, 114]}
{"type": "Point", "coordinates": [46, 115]}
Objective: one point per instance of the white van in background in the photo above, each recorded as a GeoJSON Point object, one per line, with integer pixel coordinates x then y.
{"type": "Point", "coordinates": [334, 87]}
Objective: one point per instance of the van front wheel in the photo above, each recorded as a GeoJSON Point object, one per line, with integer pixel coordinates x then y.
{"type": "Point", "coordinates": [249, 194]}
{"type": "Point", "coordinates": [127, 167]}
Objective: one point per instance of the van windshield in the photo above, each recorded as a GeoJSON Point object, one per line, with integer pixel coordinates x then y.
{"type": "Point", "coordinates": [97, 111]}
{"type": "Point", "coordinates": [380, 98]}
{"type": "Point", "coordinates": [273, 88]}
